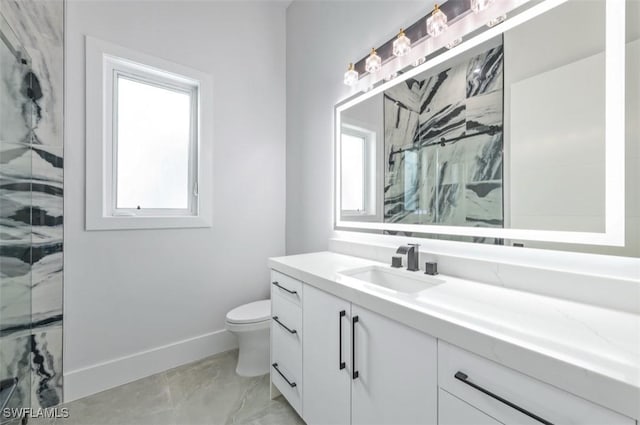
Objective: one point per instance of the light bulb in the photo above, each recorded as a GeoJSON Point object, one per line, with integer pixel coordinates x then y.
{"type": "Point", "coordinates": [478, 6]}
{"type": "Point", "coordinates": [351, 76]}
{"type": "Point", "coordinates": [437, 22]}
{"type": "Point", "coordinates": [402, 44]}
{"type": "Point", "coordinates": [391, 76]}
{"type": "Point", "coordinates": [497, 20]}
{"type": "Point", "coordinates": [453, 43]}
{"type": "Point", "coordinates": [373, 62]}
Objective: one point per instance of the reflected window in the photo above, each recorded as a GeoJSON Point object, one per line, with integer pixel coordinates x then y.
{"type": "Point", "coordinates": [353, 173]}
{"type": "Point", "coordinates": [357, 168]}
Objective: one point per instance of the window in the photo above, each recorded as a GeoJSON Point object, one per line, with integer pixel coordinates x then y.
{"type": "Point", "coordinates": [151, 158]}
{"type": "Point", "coordinates": [357, 171]}
{"type": "Point", "coordinates": [353, 166]}
{"type": "Point", "coordinates": [154, 147]}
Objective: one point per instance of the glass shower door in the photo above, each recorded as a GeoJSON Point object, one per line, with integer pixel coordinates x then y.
{"type": "Point", "coordinates": [16, 129]}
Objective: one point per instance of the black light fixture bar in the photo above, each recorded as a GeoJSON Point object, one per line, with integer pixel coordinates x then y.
{"type": "Point", "coordinates": [417, 32]}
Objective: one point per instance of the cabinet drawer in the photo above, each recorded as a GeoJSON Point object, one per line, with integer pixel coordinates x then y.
{"type": "Point", "coordinates": [286, 354]}
{"type": "Point", "coordinates": [286, 286]}
{"type": "Point", "coordinates": [286, 314]}
{"type": "Point", "coordinates": [453, 411]}
{"type": "Point", "coordinates": [459, 371]}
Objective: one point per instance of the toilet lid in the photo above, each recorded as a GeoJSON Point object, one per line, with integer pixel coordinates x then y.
{"type": "Point", "coordinates": [257, 311]}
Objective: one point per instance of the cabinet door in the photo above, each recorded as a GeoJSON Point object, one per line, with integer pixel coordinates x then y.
{"type": "Point", "coordinates": [453, 411]}
{"type": "Point", "coordinates": [396, 371]}
{"type": "Point", "coordinates": [327, 385]}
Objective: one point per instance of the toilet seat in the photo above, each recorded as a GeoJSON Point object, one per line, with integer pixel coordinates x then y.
{"type": "Point", "coordinates": [249, 314]}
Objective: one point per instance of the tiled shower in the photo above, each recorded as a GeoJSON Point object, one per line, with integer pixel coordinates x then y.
{"type": "Point", "coordinates": [31, 202]}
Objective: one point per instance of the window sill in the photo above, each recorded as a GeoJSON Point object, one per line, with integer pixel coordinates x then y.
{"type": "Point", "coordinates": [146, 222]}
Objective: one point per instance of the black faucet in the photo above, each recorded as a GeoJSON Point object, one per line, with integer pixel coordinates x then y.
{"type": "Point", "coordinates": [413, 256]}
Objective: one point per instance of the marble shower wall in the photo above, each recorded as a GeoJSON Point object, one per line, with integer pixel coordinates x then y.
{"type": "Point", "coordinates": [458, 182]}
{"type": "Point", "coordinates": [31, 202]}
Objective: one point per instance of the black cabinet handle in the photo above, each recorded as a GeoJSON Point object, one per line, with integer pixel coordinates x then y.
{"type": "Point", "coordinates": [291, 331]}
{"type": "Point", "coordinates": [284, 289]}
{"type": "Point", "coordinates": [460, 376]}
{"type": "Point", "coordinates": [341, 364]}
{"type": "Point", "coordinates": [355, 373]}
{"type": "Point", "coordinates": [291, 384]}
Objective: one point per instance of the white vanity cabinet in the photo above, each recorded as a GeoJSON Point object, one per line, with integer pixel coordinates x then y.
{"type": "Point", "coordinates": [485, 392]}
{"type": "Point", "coordinates": [362, 368]}
{"type": "Point", "coordinates": [338, 363]}
{"type": "Point", "coordinates": [287, 338]}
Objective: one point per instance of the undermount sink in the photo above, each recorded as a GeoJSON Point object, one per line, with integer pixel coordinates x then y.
{"type": "Point", "coordinates": [395, 280]}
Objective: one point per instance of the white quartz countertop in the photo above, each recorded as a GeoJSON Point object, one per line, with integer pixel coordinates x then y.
{"type": "Point", "coordinates": [589, 351]}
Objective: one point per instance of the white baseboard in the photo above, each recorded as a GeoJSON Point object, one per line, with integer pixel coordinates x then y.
{"type": "Point", "coordinates": [102, 376]}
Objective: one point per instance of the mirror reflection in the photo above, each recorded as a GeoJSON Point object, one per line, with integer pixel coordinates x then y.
{"type": "Point", "coordinates": [509, 134]}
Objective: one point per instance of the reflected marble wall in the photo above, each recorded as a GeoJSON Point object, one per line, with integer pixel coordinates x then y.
{"type": "Point", "coordinates": [31, 202]}
{"type": "Point", "coordinates": [458, 182]}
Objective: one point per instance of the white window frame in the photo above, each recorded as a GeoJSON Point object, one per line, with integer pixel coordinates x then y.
{"type": "Point", "coordinates": [105, 63]}
{"type": "Point", "coordinates": [369, 169]}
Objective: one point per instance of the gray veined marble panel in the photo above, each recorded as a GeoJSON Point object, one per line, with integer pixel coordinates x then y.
{"type": "Point", "coordinates": [31, 271]}
{"type": "Point", "coordinates": [38, 353]}
{"type": "Point", "coordinates": [39, 28]}
{"type": "Point", "coordinates": [31, 200]}
{"type": "Point", "coordinates": [47, 236]}
{"type": "Point", "coordinates": [487, 163]}
{"type": "Point", "coordinates": [15, 238]}
{"type": "Point", "coordinates": [459, 183]}
{"type": "Point", "coordinates": [484, 111]}
{"type": "Point", "coordinates": [484, 204]}
{"type": "Point", "coordinates": [485, 72]}
{"type": "Point", "coordinates": [15, 361]}
{"type": "Point", "coordinates": [15, 105]}
{"type": "Point", "coordinates": [46, 367]}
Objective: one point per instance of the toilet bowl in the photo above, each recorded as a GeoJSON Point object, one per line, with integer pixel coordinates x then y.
{"type": "Point", "coordinates": [251, 323]}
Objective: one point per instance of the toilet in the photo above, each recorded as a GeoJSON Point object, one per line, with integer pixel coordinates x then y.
{"type": "Point", "coordinates": [251, 323]}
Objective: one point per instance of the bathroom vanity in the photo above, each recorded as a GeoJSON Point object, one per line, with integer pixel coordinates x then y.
{"type": "Point", "coordinates": [357, 342]}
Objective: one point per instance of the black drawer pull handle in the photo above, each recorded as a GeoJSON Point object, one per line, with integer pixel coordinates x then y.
{"type": "Point", "coordinates": [284, 289]}
{"type": "Point", "coordinates": [355, 374]}
{"type": "Point", "coordinates": [341, 364]}
{"type": "Point", "coordinates": [460, 376]}
{"type": "Point", "coordinates": [291, 331]}
{"type": "Point", "coordinates": [291, 384]}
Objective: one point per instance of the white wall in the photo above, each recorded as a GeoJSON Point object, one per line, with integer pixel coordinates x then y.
{"type": "Point", "coordinates": [554, 172]}
{"type": "Point", "coordinates": [322, 38]}
{"type": "Point", "coordinates": [132, 298]}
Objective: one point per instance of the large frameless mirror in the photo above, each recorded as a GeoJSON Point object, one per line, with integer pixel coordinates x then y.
{"type": "Point", "coordinates": [516, 137]}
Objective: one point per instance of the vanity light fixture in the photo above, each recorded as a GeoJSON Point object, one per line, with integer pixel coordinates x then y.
{"type": "Point", "coordinates": [478, 6]}
{"type": "Point", "coordinates": [437, 22]}
{"type": "Point", "coordinates": [497, 20]}
{"type": "Point", "coordinates": [351, 76]}
{"type": "Point", "coordinates": [408, 42]}
{"type": "Point", "coordinates": [419, 61]}
{"type": "Point", "coordinates": [453, 43]}
{"type": "Point", "coordinates": [402, 44]}
{"type": "Point", "coordinates": [391, 76]}
{"type": "Point", "coordinates": [373, 62]}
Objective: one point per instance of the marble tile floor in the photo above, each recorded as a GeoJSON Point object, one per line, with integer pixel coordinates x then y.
{"type": "Point", "coordinates": [205, 392]}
